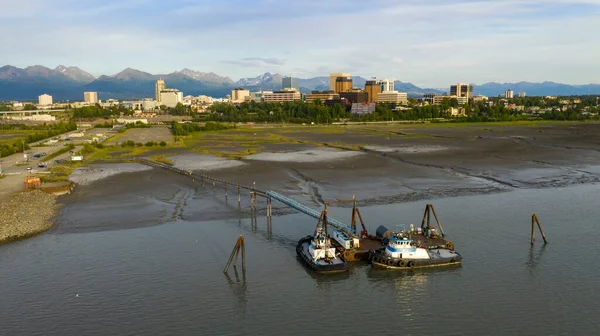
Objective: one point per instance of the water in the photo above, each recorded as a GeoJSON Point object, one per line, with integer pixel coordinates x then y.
{"type": "Point", "coordinates": [168, 279]}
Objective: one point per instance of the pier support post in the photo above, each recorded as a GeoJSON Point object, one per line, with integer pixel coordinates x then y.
{"type": "Point", "coordinates": [239, 245]}
{"type": "Point", "coordinates": [269, 208]}
{"type": "Point", "coordinates": [535, 220]}
{"type": "Point", "coordinates": [239, 196]}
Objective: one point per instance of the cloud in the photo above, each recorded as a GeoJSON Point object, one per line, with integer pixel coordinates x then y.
{"type": "Point", "coordinates": [430, 43]}
{"type": "Point", "coordinates": [256, 62]}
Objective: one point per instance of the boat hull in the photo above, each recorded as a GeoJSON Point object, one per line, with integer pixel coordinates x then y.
{"type": "Point", "coordinates": [379, 259]}
{"type": "Point", "coordinates": [302, 251]}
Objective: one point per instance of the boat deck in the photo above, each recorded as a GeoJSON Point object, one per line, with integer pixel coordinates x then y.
{"type": "Point", "coordinates": [423, 241]}
{"type": "Point", "coordinates": [322, 262]}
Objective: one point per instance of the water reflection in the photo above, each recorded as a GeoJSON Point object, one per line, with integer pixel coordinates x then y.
{"type": "Point", "coordinates": [535, 256]}
{"type": "Point", "coordinates": [324, 282]}
{"type": "Point", "coordinates": [239, 288]}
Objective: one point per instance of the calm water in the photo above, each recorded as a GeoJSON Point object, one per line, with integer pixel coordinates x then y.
{"type": "Point", "coordinates": [168, 279]}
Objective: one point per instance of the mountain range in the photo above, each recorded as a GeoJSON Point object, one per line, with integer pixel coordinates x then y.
{"type": "Point", "coordinates": [69, 82]}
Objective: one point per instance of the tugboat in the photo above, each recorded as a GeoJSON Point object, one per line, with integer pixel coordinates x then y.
{"type": "Point", "coordinates": [318, 253]}
{"type": "Point", "coordinates": [419, 247]}
{"type": "Point", "coordinates": [402, 252]}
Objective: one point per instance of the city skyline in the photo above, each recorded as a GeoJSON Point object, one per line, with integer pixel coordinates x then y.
{"type": "Point", "coordinates": [428, 43]}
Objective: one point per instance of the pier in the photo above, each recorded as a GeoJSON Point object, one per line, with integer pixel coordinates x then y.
{"type": "Point", "coordinates": [269, 195]}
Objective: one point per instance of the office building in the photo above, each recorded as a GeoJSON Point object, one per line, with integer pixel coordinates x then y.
{"type": "Point", "coordinates": [257, 96]}
{"type": "Point", "coordinates": [282, 96]}
{"type": "Point", "coordinates": [322, 96]}
{"type": "Point", "coordinates": [522, 94]}
{"type": "Point", "coordinates": [170, 97]}
{"type": "Point", "coordinates": [239, 95]}
{"type": "Point", "coordinates": [509, 94]}
{"type": "Point", "coordinates": [90, 97]}
{"type": "Point", "coordinates": [386, 85]}
{"type": "Point", "coordinates": [462, 101]}
{"type": "Point", "coordinates": [289, 83]}
{"type": "Point", "coordinates": [333, 80]}
{"type": "Point", "coordinates": [158, 88]}
{"type": "Point", "coordinates": [354, 96]}
{"type": "Point", "coordinates": [45, 100]}
{"type": "Point", "coordinates": [461, 90]}
{"type": "Point", "coordinates": [343, 84]}
{"type": "Point", "coordinates": [372, 88]}
{"type": "Point", "coordinates": [393, 97]}
{"type": "Point", "coordinates": [430, 98]}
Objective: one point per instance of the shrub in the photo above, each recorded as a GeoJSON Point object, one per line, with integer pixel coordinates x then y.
{"type": "Point", "coordinates": [163, 144]}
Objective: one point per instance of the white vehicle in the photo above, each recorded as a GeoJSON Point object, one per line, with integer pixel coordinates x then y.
{"type": "Point", "coordinates": [77, 158]}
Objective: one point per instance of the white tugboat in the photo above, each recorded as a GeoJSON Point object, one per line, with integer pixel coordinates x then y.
{"type": "Point", "coordinates": [402, 252]}
{"type": "Point", "coordinates": [318, 253]}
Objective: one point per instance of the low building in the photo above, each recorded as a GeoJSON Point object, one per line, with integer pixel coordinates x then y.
{"type": "Point", "coordinates": [393, 97]}
{"type": "Point", "coordinates": [34, 117]}
{"type": "Point", "coordinates": [480, 98]}
{"type": "Point", "coordinates": [45, 100]}
{"type": "Point", "coordinates": [363, 108]}
{"type": "Point", "coordinates": [322, 96]}
{"type": "Point", "coordinates": [132, 120]}
{"type": "Point", "coordinates": [282, 96]}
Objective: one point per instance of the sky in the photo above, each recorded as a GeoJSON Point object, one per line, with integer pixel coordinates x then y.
{"type": "Point", "coordinates": [430, 43]}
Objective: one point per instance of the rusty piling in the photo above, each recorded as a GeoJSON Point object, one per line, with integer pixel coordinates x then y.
{"type": "Point", "coordinates": [534, 221]}
{"type": "Point", "coordinates": [239, 245]}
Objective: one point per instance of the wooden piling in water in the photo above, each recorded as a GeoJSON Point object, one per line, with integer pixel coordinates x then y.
{"type": "Point", "coordinates": [239, 196]}
{"type": "Point", "coordinates": [239, 245]}
{"type": "Point", "coordinates": [534, 221]}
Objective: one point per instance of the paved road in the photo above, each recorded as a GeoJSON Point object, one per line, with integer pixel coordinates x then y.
{"type": "Point", "coordinates": [13, 182]}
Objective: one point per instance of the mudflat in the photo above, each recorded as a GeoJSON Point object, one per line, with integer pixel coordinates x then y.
{"type": "Point", "coordinates": [381, 164]}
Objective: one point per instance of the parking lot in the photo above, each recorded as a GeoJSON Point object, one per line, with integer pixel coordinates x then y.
{"type": "Point", "coordinates": [143, 135]}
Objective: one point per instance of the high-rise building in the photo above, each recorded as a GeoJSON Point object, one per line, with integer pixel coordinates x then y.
{"type": "Point", "coordinates": [90, 97]}
{"type": "Point", "coordinates": [239, 95]}
{"type": "Point", "coordinates": [170, 97]}
{"type": "Point", "coordinates": [461, 90]}
{"type": "Point", "coordinates": [158, 88]}
{"type": "Point", "coordinates": [373, 88]}
{"type": "Point", "coordinates": [393, 97]}
{"type": "Point", "coordinates": [289, 83]}
{"type": "Point", "coordinates": [386, 85]}
{"type": "Point", "coordinates": [45, 99]}
{"type": "Point", "coordinates": [509, 94]}
{"type": "Point", "coordinates": [343, 84]}
{"type": "Point", "coordinates": [522, 94]}
{"type": "Point", "coordinates": [333, 78]}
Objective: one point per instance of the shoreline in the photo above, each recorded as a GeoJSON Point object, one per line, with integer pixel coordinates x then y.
{"type": "Point", "coordinates": [27, 214]}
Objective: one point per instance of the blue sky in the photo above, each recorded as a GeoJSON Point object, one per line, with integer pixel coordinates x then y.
{"type": "Point", "coordinates": [427, 42]}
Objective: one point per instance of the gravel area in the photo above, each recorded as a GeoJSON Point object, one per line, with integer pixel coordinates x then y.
{"type": "Point", "coordinates": [26, 214]}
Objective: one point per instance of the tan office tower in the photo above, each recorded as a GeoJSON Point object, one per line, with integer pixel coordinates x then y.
{"type": "Point", "coordinates": [90, 97]}
{"type": "Point", "coordinates": [373, 88]}
{"type": "Point", "coordinates": [159, 86]}
{"type": "Point", "coordinates": [343, 84]}
{"type": "Point", "coordinates": [334, 76]}
{"type": "Point", "coordinates": [461, 90]}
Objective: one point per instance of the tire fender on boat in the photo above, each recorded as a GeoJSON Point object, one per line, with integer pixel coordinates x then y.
{"type": "Point", "coordinates": [346, 254]}
{"type": "Point", "coordinates": [402, 263]}
{"type": "Point", "coordinates": [411, 264]}
{"type": "Point", "coordinates": [390, 262]}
